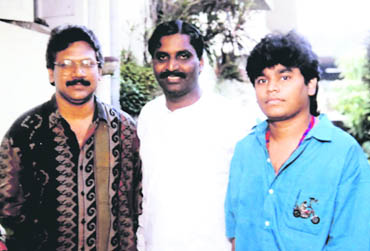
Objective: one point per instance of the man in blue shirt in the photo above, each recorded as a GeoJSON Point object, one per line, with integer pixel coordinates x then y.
{"type": "Point", "coordinates": [297, 182]}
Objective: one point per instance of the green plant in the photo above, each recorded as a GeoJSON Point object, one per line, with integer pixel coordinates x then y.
{"type": "Point", "coordinates": [353, 103]}
{"type": "Point", "coordinates": [354, 99]}
{"type": "Point", "coordinates": [138, 85]}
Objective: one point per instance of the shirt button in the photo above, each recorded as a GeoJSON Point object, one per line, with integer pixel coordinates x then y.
{"type": "Point", "coordinates": [271, 191]}
{"type": "Point", "coordinates": [267, 223]}
{"type": "Point", "coordinates": [268, 160]}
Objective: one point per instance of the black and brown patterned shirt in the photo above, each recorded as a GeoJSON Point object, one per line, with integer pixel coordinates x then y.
{"type": "Point", "coordinates": [48, 185]}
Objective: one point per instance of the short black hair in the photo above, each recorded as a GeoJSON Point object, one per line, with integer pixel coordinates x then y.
{"type": "Point", "coordinates": [174, 27]}
{"type": "Point", "coordinates": [290, 50]}
{"type": "Point", "coordinates": [62, 36]}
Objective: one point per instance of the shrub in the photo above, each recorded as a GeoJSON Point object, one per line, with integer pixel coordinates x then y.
{"type": "Point", "coordinates": [138, 85]}
{"type": "Point", "coordinates": [354, 99]}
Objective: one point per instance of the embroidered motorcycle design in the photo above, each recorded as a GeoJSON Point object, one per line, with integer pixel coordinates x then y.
{"type": "Point", "coordinates": [306, 211]}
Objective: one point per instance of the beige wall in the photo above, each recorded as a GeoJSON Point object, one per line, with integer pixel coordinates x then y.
{"type": "Point", "coordinates": [24, 78]}
{"type": "Point", "coordinates": [21, 10]}
{"type": "Point", "coordinates": [283, 15]}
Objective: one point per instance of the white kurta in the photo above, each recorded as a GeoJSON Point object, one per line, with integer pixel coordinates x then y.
{"type": "Point", "coordinates": [186, 155]}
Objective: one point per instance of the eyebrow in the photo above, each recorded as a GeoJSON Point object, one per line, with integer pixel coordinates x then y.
{"type": "Point", "coordinates": [160, 52]}
{"type": "Point", "coordinates": [177, 53]}
{"type": "Point", "coordinates": [286, 69]}
{"type": "Point", "coordinates": [184, 51]}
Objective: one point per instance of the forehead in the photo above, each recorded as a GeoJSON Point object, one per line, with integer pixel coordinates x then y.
{"type": "Point", "coordinates": [78, 49]}
{"type": "Point", "coordinates": [174, 43]}
{"type": "Point", "coordinates": [279, 68]}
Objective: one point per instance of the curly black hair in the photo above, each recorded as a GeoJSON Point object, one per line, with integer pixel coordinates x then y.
{"type": "Point", "coordinates": [290, 50]}
{"type": "Point", "coordinates": [174, 27]}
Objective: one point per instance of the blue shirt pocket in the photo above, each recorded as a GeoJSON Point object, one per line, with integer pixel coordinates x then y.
{"type": "Point", "coordinates": [309, 211]}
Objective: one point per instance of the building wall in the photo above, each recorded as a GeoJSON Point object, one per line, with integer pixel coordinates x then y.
{"type": "Point", "coordinates": [21, 10]}
{"type": "Point", "coordinates": [24, 78]}
{"type": "Point", "coordinates": [24, 75]}
{"type": "Point", "coordinates": [283, 15]}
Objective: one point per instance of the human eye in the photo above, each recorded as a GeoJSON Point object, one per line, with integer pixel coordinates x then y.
{"type": "Point", "coordinates": [260, 81]}
{"type": "Point", "coordinates": [184, 55]}
{"type": "Point", "coordinates": [285, 77]}
{"type": "Point", "coordinates": [88, 63]}
{"type": "Point", "coordinates": [66, 63]}
{"type": "Point", "coordinates": [161, 56]}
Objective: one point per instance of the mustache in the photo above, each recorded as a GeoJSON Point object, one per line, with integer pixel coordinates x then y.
{"type": "Point", "coordinates": [76, 81]}
{"type": "Point", "coordinates": [172, 73]}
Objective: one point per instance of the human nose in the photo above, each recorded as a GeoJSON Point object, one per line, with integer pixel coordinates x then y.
{"type": "Point", "coordinates": [79, 70]}
{"type": "Point", "coordinates": [272, 85]}
{"type": "Point", "coordinates": [172, 65]}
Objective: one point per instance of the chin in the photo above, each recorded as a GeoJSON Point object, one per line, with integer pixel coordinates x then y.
{"type": "Point", "coordinates": [175, 93]}
{"type": "Point", "coordinates": [80, 100]}
{"type": "Point", "coordinates": [276, 117]}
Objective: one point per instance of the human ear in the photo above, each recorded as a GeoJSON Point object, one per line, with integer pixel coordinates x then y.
{"type": "Point", "coordinates": [312, 87]}
{"type": "Point", "coordinates": [51, 76]}
{"type": "Point", "coordinates": [201, 64]}
{"type": "Point", "coordinates": [100, 73]}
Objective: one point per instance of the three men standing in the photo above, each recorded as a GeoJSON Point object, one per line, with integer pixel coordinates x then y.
{"type": "Point", "coordinates": [70, 173]}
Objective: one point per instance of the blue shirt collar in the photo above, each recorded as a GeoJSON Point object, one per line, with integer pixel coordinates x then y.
{"type": "Point", "coordinates": [321, 131]}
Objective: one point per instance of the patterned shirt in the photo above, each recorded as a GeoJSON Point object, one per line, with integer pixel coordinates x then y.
{"type": "Point", "coordinates": [48, 193]}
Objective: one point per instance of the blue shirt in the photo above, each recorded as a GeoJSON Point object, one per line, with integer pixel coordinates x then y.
{"type": "Point", "coordinates": [329, 169]}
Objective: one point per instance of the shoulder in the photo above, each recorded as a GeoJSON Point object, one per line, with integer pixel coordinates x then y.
{"type": "Point", "coordinates": [344, 143]}
{"type": "Point", "coordinates": [232, 111]}
{"type": "Point", "coordinates": [250, 138]}
{"type": "Point", "coordinates": [120, 115]}
{"type": "Point", "coordinates": [152, 109]}
{"type": "Point", "coordinates": [249, 143]}
{"type": "Point", "coordinates": [29, 121]}
{"type": "Point", "coordinates": [349, 155]}
{"type": "Point", "coordinates": [337, 136]}
{"type": "Point", "coordinates": [156, 104]}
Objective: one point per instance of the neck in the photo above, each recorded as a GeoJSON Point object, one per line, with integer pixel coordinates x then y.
{"type": "Point", "coordinates": [72, 112]}
{"type": "Point", "coordinates": [289, 129]}
{"type": "Point", "coordinates": [183, 101]}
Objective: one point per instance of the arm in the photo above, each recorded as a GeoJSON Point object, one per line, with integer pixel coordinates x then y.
{"type": "Point", "coordinates": [131, 181]}
{"type": "Point", "coordinates": [351, 223]}
{"type": "Point", "coordinates": [137, 179]}
{"type": "Point", "coordinates": [11, 194]}
{"type": "Point", "coordinates": [232, 196]}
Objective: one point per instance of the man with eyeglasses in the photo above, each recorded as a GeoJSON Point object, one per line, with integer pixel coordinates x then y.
{"type": "Point", "coordinates": [70, 173]}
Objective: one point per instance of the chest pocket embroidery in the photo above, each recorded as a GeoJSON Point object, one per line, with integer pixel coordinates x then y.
{"type": "Point", "coordinates": [306, 211]}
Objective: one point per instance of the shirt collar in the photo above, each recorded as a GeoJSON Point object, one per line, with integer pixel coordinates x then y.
{"type": "Point", "coordinates": [321, 131]}
{"type": "Point", "coordinates": [55, 117]}
{"type": "Point", "coordinates": [100, 113]}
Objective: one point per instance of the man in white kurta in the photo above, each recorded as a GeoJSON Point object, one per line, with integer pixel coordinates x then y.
{"type": "Point", "coordinates": [187, 139]}
{"type": "Point", "coordinates": [186, 155]}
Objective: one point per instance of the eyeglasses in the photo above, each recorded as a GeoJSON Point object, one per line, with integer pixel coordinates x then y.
{"type": "Point", "coordinates": [68, 64]}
